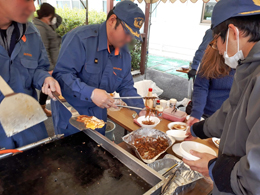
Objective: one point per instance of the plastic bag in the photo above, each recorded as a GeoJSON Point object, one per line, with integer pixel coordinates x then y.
{"type": "Point", "coordinates": [143, 86]}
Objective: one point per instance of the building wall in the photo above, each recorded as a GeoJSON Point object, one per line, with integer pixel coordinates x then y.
{"type": "Point", "coordinates": [177, 31]}
{"type": "Point", "coordinates": [93, 4]}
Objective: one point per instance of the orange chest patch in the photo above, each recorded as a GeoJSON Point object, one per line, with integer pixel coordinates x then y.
{"type": "Point", "coordinates": [27, 54]}
{"type": "Point", "coordinates": [24, 38]}
{"type": "Point", "coordinates": [115, 68]}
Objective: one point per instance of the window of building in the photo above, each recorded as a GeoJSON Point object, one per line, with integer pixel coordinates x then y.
{"type": "Point", "coordinates": [62, 4]}
{"type": "Point", "coordinates": [104, 4]}
{"type": "Point", "coordinates": [207, 11]}
{"type": "Point", "coordinates": [154, 9]}
{"type": "Point", "coordinates": [70, 4]}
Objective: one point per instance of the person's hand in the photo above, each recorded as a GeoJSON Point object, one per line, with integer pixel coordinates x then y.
{"type": "Point", "coordinates": [190, 137]}
{"type": "Point", "coordinates": [200, 165]}
{"type": "Point", "coordinates": [102, 99]}
{"type": "Point", "coordinates": [192, 120]}
{"type": "Point", "coordinates": [50, 85]}
{"type": "Point", "coordinates": [192, 73]}
{"type": "Point", "coordinates": [50, 72]}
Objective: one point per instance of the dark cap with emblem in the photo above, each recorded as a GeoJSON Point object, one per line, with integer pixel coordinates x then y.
{"type": "Point", "coordinates": [226, 9]}
{"type": "Point", "coordinates": [132, 17]}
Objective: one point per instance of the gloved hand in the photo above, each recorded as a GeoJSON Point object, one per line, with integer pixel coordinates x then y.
{"type": "Point", "coordinates": [102, 99]}
{"type": "Point", "coordinates": [192, 73]}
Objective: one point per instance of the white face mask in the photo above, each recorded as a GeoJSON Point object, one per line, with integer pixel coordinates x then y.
{"type": "Point", "coordinates": [54, 21]}
{"type": "Point", "coordinates": [232, 61]}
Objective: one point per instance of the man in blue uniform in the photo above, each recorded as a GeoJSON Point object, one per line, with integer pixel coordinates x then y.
{"type": "Point", "coordinates": [94, 61]}
{"type": "Point", "coordinates": [23, 63]}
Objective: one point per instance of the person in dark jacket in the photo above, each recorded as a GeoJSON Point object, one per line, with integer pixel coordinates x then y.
{"type": "Point", "coordinates": [212, 86]}
{"type": "Point", "coordinates": [200, 53]}
{"type": "Point", "coordinates": [236, 169]}
{"type": "Point", "coordinates": [46, 22]}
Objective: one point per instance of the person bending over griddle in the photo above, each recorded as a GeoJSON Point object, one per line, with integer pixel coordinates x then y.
{"type": "Point", "coordinates": [94, 61]}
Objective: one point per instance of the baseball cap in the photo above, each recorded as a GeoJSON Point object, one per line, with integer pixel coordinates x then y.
{"type": "Point", "coordinates": [132, 17]}
{"type": "Point", "coordinates": [226, 9]}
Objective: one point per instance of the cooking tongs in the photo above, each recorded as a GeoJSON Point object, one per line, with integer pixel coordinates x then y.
{"type": "Point", "coordinates": [135, 97]}
{"type": "Point", "coordinates": [131, 107]}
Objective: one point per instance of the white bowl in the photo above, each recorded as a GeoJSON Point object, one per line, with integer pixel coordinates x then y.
{"type": "Point", "coordinates": [187, 146]}
{"type": "Point", "coordinates": [177, 123]}
{"type": "Point", "coordinates": [176, 149]}
{"type": "Point", "coordinates": [214, 140]}
{"type": "Point", "coordinates": [178, 135]}
{"type": "Point", "coordinates": [156, 121]}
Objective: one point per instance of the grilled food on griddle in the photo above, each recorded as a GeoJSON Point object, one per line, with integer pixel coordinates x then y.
{"type": "Point", "coordinates": [91, 122]}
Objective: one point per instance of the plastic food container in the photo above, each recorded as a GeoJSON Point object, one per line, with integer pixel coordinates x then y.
{"type": "Point", "coordinates": [178, 116]}
{"type": "Point", "coordinates": [185, 178]}
{"type": "Point", "coordinates": [162, 165]}
{"type": "Point", "coordinates": [146, 132]}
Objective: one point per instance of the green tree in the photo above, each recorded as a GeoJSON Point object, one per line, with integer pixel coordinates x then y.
{"type": "Point", "coordinates": [73, 18]}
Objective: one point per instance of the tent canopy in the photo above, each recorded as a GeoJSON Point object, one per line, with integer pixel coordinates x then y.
{"type": "Point", "coordinates": [173, 1]}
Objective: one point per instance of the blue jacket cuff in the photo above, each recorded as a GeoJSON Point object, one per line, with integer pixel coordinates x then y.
{"type": "Point", "coordinates": [192, 132]}
{"type": "Point", "coordinates": [41, 78]}
{"type": "Point", "coordinates": [211, 168]}
{"type": "Point", "coordinates": [194, 66]}
{"type": "Point", "coordinates": [198, 130]}
{"type": "Point", "coordinates": [86, 93]}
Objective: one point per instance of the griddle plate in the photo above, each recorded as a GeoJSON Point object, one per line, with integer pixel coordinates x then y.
{"type": "Point", "coordinates": [73, 165]}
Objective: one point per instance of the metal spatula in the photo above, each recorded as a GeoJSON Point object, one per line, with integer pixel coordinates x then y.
{"type": "Point", "coordinates": [73, 120]}
{"type": "Point", "coordinates": [18, 111]}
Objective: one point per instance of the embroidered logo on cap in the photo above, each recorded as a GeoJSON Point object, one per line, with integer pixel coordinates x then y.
{"type": "Point", "coordinates": [132, 32]}
{"type": "Point", "coordinates": [257, 2]}
{"type": "Point", "coordinates": [138, 23]}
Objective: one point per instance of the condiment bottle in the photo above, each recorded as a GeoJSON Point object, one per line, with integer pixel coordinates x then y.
{"type": "Point", "coordinates": [159, 111]}
{"type": "Point", "coordinates": [163, 103]}
{"type": "Point", "coordinates": [157, 102]}
{"type": "Point", "coordinates": [173, 103]}
{"type": "Point", "coordinates": [149, 102]}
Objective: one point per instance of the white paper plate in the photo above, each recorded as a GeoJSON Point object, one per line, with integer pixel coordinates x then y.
{"type": "Point", "coordinates": [176, 149]}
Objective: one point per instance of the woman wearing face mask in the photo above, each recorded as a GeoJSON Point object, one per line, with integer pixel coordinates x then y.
{"type": "Point", "coordinates": [212, 85]}
{"type": "Point", "coordinates": [46, 22]}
